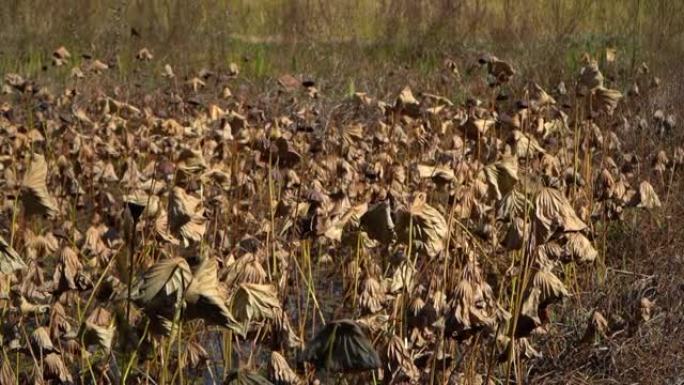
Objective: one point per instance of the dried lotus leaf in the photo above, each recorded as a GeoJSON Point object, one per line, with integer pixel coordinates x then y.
{"type": "Point", "coordinates": [191, 161]}
{"type": "Point", "coordinates": [403, 277]}
{"type": "Point", "coordinates": [144, 55]}
{"type": "Point", "coordinates": [35, 195]}
{"type": "Point", "coordinates": [218, 176]}
{"type": "Point", "coordinates": [515, 235]}
{"type": "Point", "coordinates": [475, 128]}
{"type": "Point", "coordinates": [607, 99]}
{"type": "Point", "coordinates": [61, 53]}
{"type": "Point", "coordinates": [205, 300]}
{"type": "Point", "coordinates": [472, 308]}
{"type": "Point", "coordinates": [529, 314]}
{"type": "Point", "coordinates": [551, 287]}
{"type": "Point", "coordinates": [372, 295]}
{"type": "Point", "coordinates": [597, 325]}
{"type": "Point", "coordinates": [554, 212]}
{"type": "Point", "coordinates": [162, 287]}
{"type": "Point", "coordinates": [400, 358]}
{"type": "Point", "coordinates": [342, 346]}
{"type": "Point", "coordinates": [245, 377]}
{"type": "Point", "coordinates": [501, 71]}
{"type": "Point", "coordinates": [377, 222]}
{"type": "Point", "coordinates": [514, 204]}
{"type": "Point", "coordinates": [286, 155]}
{"type": "Point", "coordinates": [440, 175]}
{"type": "Point", "coordinates": [539, 97]}
{"type": "Point", "coordinates": [7, 376]}
{"type": "Point", "coordinates": [41, 342]}
{"type": "Point", "coordinates": [68, 269]}
{"type": "Point", "coordinates": [186, 217]}
{"type": "Point", "coordinates": [407, 104]}
{"type": "Point", "coordinates": [351, 218]}
{"type": "Point", "coordinates": [501, 177]}
{"type": "Point", "coordinates": [55, 369]}
{"type": "Point", "coordinates": [94, 334]}
{"type": "Point", "coordinates": [647, 197]}
{"type": "Point", "coordinates": [590, 77]}
{"type": "Point", "coordinates": [428, 225]}
{"type": "Point", "coordinates": [646, 308]}
{"type": "Point", "coordinates": [255, 302]}
{"type": "Point", "coordinates": [10, 260]}
{"type": "Point", "coordinates": [139, 202]}
{"type": "Point", "coordinates": [580, 248]}
{"type": "Point", "coordinates": [525, 146]}
{"type": "Point", "coordinates": [280, 373]}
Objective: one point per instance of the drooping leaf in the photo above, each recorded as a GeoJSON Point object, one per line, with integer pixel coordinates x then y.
{"type": "Point", "coordinates": [554, 212]}
{"type": "Point", "coordinates": [580, 248]}
{"type": "Point", "coordinates": [254, 302]}
{"type": "Point", "coordinates": [162, 287]}
{"type": "Point", "coordinates": [280, 373]}
{"type": "Point", "coordinates": [342, 346]}
{"type": "Point", "coordinates": [377, 222]}
{"type": "Point", "coordinates": [501, 177]}
{"type": "Point", "coordinates": [35, 195]}
{"type": "Point", "coordinates": [427, 224]}
{"type": "Point", "coordinates": [206, 300]}
{"type": "Point", "coordinates": [56, 369]}
{"type": "Point", "coordinates": [10, 260]}
{"type": "Point", "coordinates": [245, 377]}
{"type": "Point", "coordinates": [186, 217]}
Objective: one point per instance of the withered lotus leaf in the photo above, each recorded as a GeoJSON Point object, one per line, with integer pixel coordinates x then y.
{"type": "Point", "coordinates": [428, 225]}
{"type": "Point", "coordinates": [162, 288]}
{"type": "Point", "coordinates": [377, 222]}
{"type": "Point", "coordinates": [554, 212]}
{"type": "Point", "coordinates": [68, 269]}
{"type": "Point", "coordinates": [515, 235]}
{"type": "Point", "coordinates": [539, 97]}
{"type": "Point", "coordinates": [647, 197]}
{"type": "Point", "coordinates": [551, 288]}
{"type": "Point", "coordinates": [245, 377]}
{"type": "Point", "coordinates": [35, 195]}
{"type": "Point", "coordinates": [597, 325]}
{"type": "Point", "coordinates": [280, 373]}
{"type": "Point", "coordinates": [475, 128]}
{"type": "Point", "coordinates": [607, 99]}
{"type": "Point", "coordinates": [94, 334]}
{"type": "Point", "coordinates": [407, 104]}
{"type": "Point", "coordinates": [372, 295]}
{"type": "Point", "coordinates": [56, 369]}
{"type": "Point", "coordinates": [41, 342]}
{"type": "Point", "coordinates": [580, 248]}
{"type": "Point", "coordinates": [206, 300]}
{"type": "Point", "coordinates": [139, 202]}
{"type": "Point", "coordinates": [400, 358]}
{"type": "Point", "coordinates": [7, 376]}
{"type": "Point", "coordinates": [590, 76]}
{"type": "Point", "coordinates": [144, 55]}
{"type": "Point", "coordinates": [255, 302]}
{"type": "Point", "coordinates": [514, 204]}
{"type": "Point", "coordinates": [10, 260]}
{"type": "Point", "coordinates": [501, 177]}
{"type": "Point", "coordinates": [525, 146]}
{"type": "Point", "coordinates": [186, 217]}
{"type": "Point", "coordinates": [342, 346]}
{"type": "Point", "coordinates": [441, 175]}
{"type": "Point", "coordinates": [645, 308]}
{"type": "Point", "coordinates": [191, 161]}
